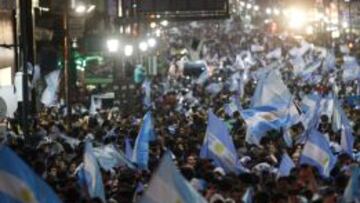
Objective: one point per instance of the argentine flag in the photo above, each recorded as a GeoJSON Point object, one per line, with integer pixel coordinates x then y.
{"type": "Point", "coordinates": [352, 190]}
{"type": "Point", "coordinates": [140, 154]}
{"type": "Point", "coordinates": [168, 185]}
{"type": "Point", "coordinates": [147, 97]}
{"type": "Point", "coordinates": [218, 145]}
{"type": "Point", "coordinates": [260, 120]}
{"type": "Point", "coordinates": [271, 91]}
{"type": "Point", "coordinates": [286, 165]}
{"type": "Point", "coordinates": [92, 174]}
{"type": "Point", "coordinates": [233, 106]}
{"type": "Point", "coordinates": [317, 153]}
{"type": "Point", "coordinates": [109, 158]}
{"type": "Point", "coordinates": [18, 183]}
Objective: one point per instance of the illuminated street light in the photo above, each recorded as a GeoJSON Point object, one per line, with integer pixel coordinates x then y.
{"type": "Point", "coordinates": [143, 46]}
{"type": "Point", "coordinates": [112, 45]}
{"type": "Point", "coordinates": [297, 18]}
{"type": "Point", "coordinates": [268, 11]}
{"type": "Point", "coordinates": [248, 6]}
{"type": "Point", "coordinates": [128, 50]}
{"type": "Point", "coordinates": [164, 23]}
{"type": "Point", "coordinates": [152, 24]}
{"type": "Point", "coordinates": [81, 8]}
{"type": "Point", "coordinates": [151, 42]}
{"type": "Point", "coordinates": [345, 24]}
{"type": "Point", "coordinates": [256, 8]}
{"type": "Point", "coordinates": [90, 9]}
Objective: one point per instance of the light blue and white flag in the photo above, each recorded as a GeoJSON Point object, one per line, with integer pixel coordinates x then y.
{"type": "Point", "coordinates": [218, 145]}
{"type": "Point", "coordinates": [341, 122]}
{"type": "Point", "coordinates": [351, 68]}
{"type": "Point", "coordinates": [18, 183]}
{"type": "Point", "coordinates": [311, 67]}
{"type": "Point", "coordinates": [92, 173]}
{"type": "Point", "coordinates": [275, 54]}
{"type": "Point", "coordinates": [271, 91]}
{"type": "Point", "coordinates": [109, 158]}
{"type": "Point", "coordinates": [147, 97]}
{"type": "Point", "coordinates": [233, 106]}
{"type": "Point", "coordinates": [140, 154]}
{"type": "Point", "coordinates": [168, 185]}
{"type": "Point", "coordinates": [248, 195]}
{"type": "Point", "coordinates": [286, 165]}
{"type": "Point", "coordinates": [49, 96]}
{"type": "Point", "coordinates": [214, 88]}
{"type": "Point", "coordinates": [260, 120]}
{"type": "Point", "coordinates": [317, 153]}
{"type": "Point", "coordinates": [352, 190]}
{"type": "Point", "coordinates": [128, 149]}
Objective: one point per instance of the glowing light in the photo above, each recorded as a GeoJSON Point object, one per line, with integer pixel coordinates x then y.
{"type": "Point", "coordinates": [143, 46]}
{"type": "Point", "coordinates": [345, 24]}
{"type": "Point", "coordinates": [309, 30]}
{"type": "Point", "coordinates": [151, 42]}
{"type": "Point", "coordinates": [164, 23]}
{"type": "Point", "coordinates": [248, 6]}
{"type": "Point", "coordinates": [297, 18]}
{"type": "Point", "coordinates": [256, 8]}
{"type": "Point", "coordinates": [152, 24]}
{"type": "Point", "coordinates": [128, 50]}
{"type": "Point", "coordinates": [335, 34]}
{"type": "Point", "coordinates": [112, 45]}
{"type": "Point", "coordinates": [90, 9]}
{"type": "Point", "coordinates": [80, 8]}
{"type": "Point", "coordinates": [268, 11]}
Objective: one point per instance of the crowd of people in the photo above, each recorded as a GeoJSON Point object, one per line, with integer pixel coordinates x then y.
{"type": "Point", "coordinates": [237, 63]}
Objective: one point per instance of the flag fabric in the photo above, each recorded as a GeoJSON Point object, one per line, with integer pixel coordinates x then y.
{"type": "Point", "coordinates": [347, 139]}
{"type": "Point", "coordinates": [317, 153]}
{"type": "Point", "coordinates": [286, 165]}
{"type": "Point", "coordinates": [248, 195]}
{"type": "Point", "coordinates": [18, 183]}
{"type": "Point", "coordinates": [168, 185]}
{"type": "Point", "coordinates": [233, 106]}
{"type": "Point", "coordinates": [147, 97]}
{"type": "Point", "coordinates": [49, 97]}
{"type": "Point", "coordinates": [351, 68]}
{"type": "Point", "coordinates": [214, 88]}
{"type": "Point", "coordinates": [140, 154]}
{"type": "Point", "coordinates": [128, 149]}
{"type": "Point", "coordinates": [92, 174]}
{"type": "Point", "coordinates": [310, 68]}
{"type": "Point", "coordinates": [271, 91]}
{"type": "Point", "coordinates": [260, 120]}
{"type": "Point", "coordinates": [218, 145]}
{"type": "Point", "coordinates": [352, 190]}
{"type": "Point", "coordinates": [109, 158]}
{"type": "Point", "coordinates": [275, 54]}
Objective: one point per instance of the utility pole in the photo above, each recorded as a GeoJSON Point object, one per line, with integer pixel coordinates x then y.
{"type": "Point", "coordinates": [66, 59]}
{"type": "Point", "coordinates": [26, 43]}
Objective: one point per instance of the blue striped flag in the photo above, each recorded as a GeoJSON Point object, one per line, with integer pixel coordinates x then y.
{"type": "Point", "coordinates": [140, 154]}
{"type": "Point", "coordinates": [352, 190]}
{"type": "Point", "coordinates": [168, 185]}
{"type": "Point", "coordinates": [286, 165]}
{"type": "Point", "coordinates": [317, 153]}
{"type": "Point", "coordinates": [92, 174]}
{"type": "Point", "coordinates": [18, 183]}
{"type": "Point", "coordinates": [218, 145]}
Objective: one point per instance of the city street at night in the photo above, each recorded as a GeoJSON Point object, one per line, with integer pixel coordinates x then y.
{"type": "Point", "coordinates": [180, 101]}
